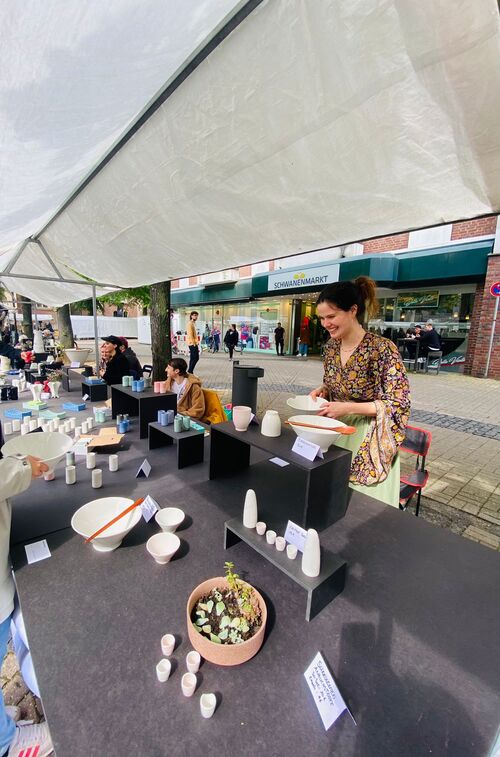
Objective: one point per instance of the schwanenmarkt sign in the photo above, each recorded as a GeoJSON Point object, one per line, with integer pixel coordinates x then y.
{"type": "Point", "coordinates": [305, 277]}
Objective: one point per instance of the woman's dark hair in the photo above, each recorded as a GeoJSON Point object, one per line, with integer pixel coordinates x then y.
{"type": "Point", "coordinates": [233, 326]}
{"type": "Point", "coordinates": [345, 294]}
{"type": "Point", "coordinates": [179, 364]}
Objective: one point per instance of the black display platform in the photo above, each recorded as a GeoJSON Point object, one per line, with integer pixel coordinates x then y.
{"type": "Point", "coordinates": [190, 444]}
{"type": "Point", "coordinates": [144, 404]}
{"type": "Point", "coordinates": [325, 481]}
{"type": "Point", "coordinates": [95, 392]}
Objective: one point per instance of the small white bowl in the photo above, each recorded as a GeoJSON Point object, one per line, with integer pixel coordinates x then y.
{"type": "Point", "coordinates": [90, 517]}
{"type": "Point", "coordinates": [162, 547]}
{"type": "Point", "coordinates": [169, 518]}
{"type": "Point", "coordinates": [305, 403]}
{"type": "Point", "coordinates": [324, 438]}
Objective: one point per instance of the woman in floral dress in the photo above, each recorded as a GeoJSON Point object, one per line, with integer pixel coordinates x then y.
{"type": "Point", "coordinates": [365, 385]}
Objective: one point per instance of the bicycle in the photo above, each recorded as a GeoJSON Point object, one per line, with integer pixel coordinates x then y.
{"type": "Point", "coordinates": [240, 347]}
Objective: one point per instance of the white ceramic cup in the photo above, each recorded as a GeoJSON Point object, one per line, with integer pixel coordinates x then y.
{"type": "Point", "coordinates": [280, 543]}
{"type": "Point", "coordinates": [56, 422]}
{"type": "Point", "coordinates": [24, 429]}
{"type": "Point", "coordinates": [193, 660]}
{"type": "Point", "coordinates": [188, 684]}
{"type": "Point", "coordinates": [163, 669]}
{"type": "Point", "coordinates": [90, 460]}
{"type": "Point", "coordinates": [78, 431]}
{"type": "Point", "coordinates": [261, 528]}
{"type": "Point", "coordinates": [113, 463]}
{"type": "Point", "coordinates": [71, 474]}
{"type": "Point", "coordinates": [8, 428]}
{"type": "Point", "coordinates": [270, 537]}
{"type": "Point", "coordinates": [90, 423]}
{"type": "Point", "coordinates": [49, 475]}
{"type": "Point", "coordinates": [85, 427]}
{"type": "Point", "coordinates": [241, 417]}
{"type": "Point", "coordinates": [96, 478]}
{"type": "Point", "coordinates": [72, 424]}
{"type": "Point", "coordinates": [16, 425]}
{"type": "Point", "coordinates": [208, 703]}
{"type": "Point", "coordinates": [67, 427]}
{"type": "Point", "coordinates": [167, 644]}
{"type": "Point", "coordinates": [291, 551]}
{"type": "Point", "coordinates": [33, 424]}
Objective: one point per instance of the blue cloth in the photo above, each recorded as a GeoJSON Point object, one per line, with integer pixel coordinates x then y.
{"type": "Point", "coordinates": [7, 725]}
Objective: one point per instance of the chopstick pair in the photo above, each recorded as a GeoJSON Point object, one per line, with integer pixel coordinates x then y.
{"type": "Point", "coordinates": [115, 519]}
{"type": "Point", "coordinates": [346, 430]}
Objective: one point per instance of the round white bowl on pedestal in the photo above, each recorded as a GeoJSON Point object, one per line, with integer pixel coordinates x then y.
{"type": "Point", "coordinates": [323, 437]}
{"type": "Point", "coordinates": [77, 356]}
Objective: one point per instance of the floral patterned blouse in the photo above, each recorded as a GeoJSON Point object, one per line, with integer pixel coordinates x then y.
{"type": "Point", "coordinates": [373, 373]}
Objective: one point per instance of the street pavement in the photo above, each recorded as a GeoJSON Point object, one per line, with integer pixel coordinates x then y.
{"type": "Point", "coordinates": [462, 413]}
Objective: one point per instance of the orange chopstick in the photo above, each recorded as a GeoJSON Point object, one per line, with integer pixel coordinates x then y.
{"type": "Point", "coordinates": [117, 517]}
{"type": "Point", "coordinates": [346, 430]}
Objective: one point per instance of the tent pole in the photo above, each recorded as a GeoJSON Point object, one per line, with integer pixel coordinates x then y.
{"type": "Point", "coordinates": [96, 335]}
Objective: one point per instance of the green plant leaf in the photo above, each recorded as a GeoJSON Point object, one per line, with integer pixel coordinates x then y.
{"type": "Point", "coordinates": [225, 621]}
{"type": "Point", "coordinates": [223, 634]}
{"type": "Point", "coordinates": [201, 621]}
{"type": "Point", "coordinates": [202, 606]}
{"type": "Point", "coordinates": [214, 638]}
{"type": "Point", "coordinates": [219, 608]}
{"type": "Point", "coordinates": [207, 629]}
{"type": "Point", "coordinates": [197, 628]}
{"type": "Point", "coordinates": [201, 613]}
{"type": "Point", "coordinates": [235, 622]}
{"type": "Point", "coordinates": [210, 605]}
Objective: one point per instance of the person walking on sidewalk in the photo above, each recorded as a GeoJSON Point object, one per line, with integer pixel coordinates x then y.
{"type": "Point", "coordinates": [192, 340]}
{"type": "Point", "coordinates": [231, 339]}
{"type": "Point", "coordinates": [15, 475]}
{"type": "Point", "coordinates": [279, 338]}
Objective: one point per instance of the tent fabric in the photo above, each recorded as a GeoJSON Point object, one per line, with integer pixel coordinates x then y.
{"type": "Point", "coordinates": [311, 125]}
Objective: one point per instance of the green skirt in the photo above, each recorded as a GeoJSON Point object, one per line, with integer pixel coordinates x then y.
{"type": "Point", "coordinates": [386, 491]}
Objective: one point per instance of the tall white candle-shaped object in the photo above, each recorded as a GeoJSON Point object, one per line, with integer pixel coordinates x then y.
{"type": "Point", "coordinates": [70, 474]}
{"type": "Point", "coordinates": [90, 460]}
{"type": "Point", "coordinates": [32, 424]}
{"type": "Point", "coordinates": [113, 462]}
{"type": "Point", "coordinates": [96, 478]}
{"type": "Point", "coordinates": [16, 425]}
{"type": "Point", "coordinates": [250, 516]}
{"type": "Point", "coordinates": [311, 558]}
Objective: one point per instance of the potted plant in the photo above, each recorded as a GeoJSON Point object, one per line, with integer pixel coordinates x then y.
{"type": "Point", "coordinates": [226, 619]}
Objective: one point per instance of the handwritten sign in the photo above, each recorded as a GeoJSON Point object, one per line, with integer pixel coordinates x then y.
{"type": "Point", "coordinates": [85, 397]}
{"type": "Point", "coordinates": [37, 551]}
{"type": "Point", "coordinates": [306, 449]}
{"type": "Point", "coordinates": [294, 534]}
{"type": "Point", "coordinates": [144, 470]}
{"type": "Point", "coordinates": [326, 694]}
{"type": "Point", "coordinates": [149, 508]}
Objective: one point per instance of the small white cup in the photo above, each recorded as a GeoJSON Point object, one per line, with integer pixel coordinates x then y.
{"type": "Point", "coordinates": [67, 427]}
{"type": "Point", "coordinates": [113, 463]}
{"type": "Point", "coordinates": [33, 424]}
{"type": "Point", "coordinates": [193, 660]}
{"type": "Point", "coordinates": [270, 537]}
{"type": "Point", "coordinates": [90, 423]}
{"type": "Point", "coordinates": [163, 669]}
{"type": "Point", "coordinates": [8, 428]}
{"type": "Point", "coordinates": [16, 425]}
{"type": "Point", "coordinates": [291, 551]}
{"type": "Point", "coordinates": [49, 475]}
{"type": "Point", "coordinates": [72, 424]}
{"type": "Point", "coordinates": [208, 703]}
{"type": "Point", "coordinates": [56, 422]}
{"type": "Point", "coordinates": [167, 644]}
{"type": "Point", "coordinates": [71, 474]}
{"type": "Point", "coordinates": [188, 684]}
{"type": "Point", "coordinates": [280, 543]}
{"type": "Point", "coordinates": [78, 431]}
{"type": "Point", "coordinates": [24, 429]}
{"type": "Point", "coordinates": [261, 528]}
{"type": "Point", "coordinates": [90, 460]}
{"type": "Point", "coordinates": [85, 427]}
{"type": "Point", "coordinates": [96, 478]}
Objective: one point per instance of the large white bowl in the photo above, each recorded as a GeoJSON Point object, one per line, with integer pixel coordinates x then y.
{"type": "Point", "coordinates": [94, 514]}
{"type": "Point", "coordinates": [77, 356]}
{"type": "Point", "coordinates": [305, 403]}
{"type": "Point", "coordinates": [317, 436]}
{"type": "Point", "coordinates": [49, 446]}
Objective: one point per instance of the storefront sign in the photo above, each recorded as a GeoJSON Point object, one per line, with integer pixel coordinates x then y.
{"type": "Point", "coordinates": [307, 277]}
{"type": "Point", "coordinates": [418, 300]}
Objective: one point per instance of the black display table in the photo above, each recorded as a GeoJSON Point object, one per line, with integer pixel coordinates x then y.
{"type": "Point", "coordinates": [144, 404]}
{"type": "Point", "coordinates": [326, 481]}
{"type": "Point", "coordinates": [95, 392]}
{"type": "Point", "coordinates": [72, 375]}
{"type": "Point", "coordinates": [190, 444]}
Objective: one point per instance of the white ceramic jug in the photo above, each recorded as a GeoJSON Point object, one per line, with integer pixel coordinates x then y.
{"type": "Point", "coordinates": [271, 424]}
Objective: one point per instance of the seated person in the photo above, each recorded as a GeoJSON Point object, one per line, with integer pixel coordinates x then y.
{"type": "Point", "coordinates": [187, 387]}
{"type": "Point", "coordinates": [133, 361]}
{"type": "Point", "coordinates": [114, 366]}
{"type": "Point", "coordinates": [429, 340]}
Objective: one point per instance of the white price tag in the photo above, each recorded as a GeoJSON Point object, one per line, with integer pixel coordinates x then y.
{"type": "Point", "coordinates": [144, 470]}
{"type": "Point", "coordinates": [307, 449]}
{"type": "Point", "coordinates": [85, 397]}
{"type": "Point", "coordinates": [326, 695]}
{"type": "Point", "coordinates": [278, 461]}
{"type": "Point", "coordinates": [39, 550]}
{"type": "Point", "coordinates": [149, 508]}
{"type": "Point", "coordinates": [294, 534]}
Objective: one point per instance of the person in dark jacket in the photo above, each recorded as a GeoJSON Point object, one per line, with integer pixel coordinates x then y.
{"type": "Point", "coordinates": [133, 360]}
{"type": "Point", "coordinates": [114, 365]}
{"type": "Point", "coordinates": [429, 340]}
{"type": "Point", "coordinates": [231, 339]}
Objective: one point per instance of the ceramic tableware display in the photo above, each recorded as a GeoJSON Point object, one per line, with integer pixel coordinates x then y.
{"type": "Point", "coordinates": [168, 644]}
{"type": "Point", "coordinates": [162, 547]}
{"type": "Point", "coordinates": [188, 684]}
{"type": "Point", "coordinates": [208, 703]}
{"type": "Point", "coordinates": [96, 478]}
{"type": "Point", "coordinates": [280, 544]}
{"type": "Point", "coordinates": [193, 660]}
{"type": "Point", "coordinates": [90, 460]}
{"type": "Point", "coordinates": [113, 463]}
{"type": "Point", "coordinates": [70, 474]}
{"type": "Point", "coordinates": [322, 437]}
{"type": "Point", "coordinates": [271, 424]}
{"type": "Point", "coordinates": [242, 416]}
{"type": "Point", "coordinates": [311, 557]}
{"type": "Point", "coordinates": [260, 527]}
{"type": "Point", "coordinates": [305, 403]}
{"type": "Point", "coordinates": [270, 536]}
{"type": "Point", "coordinates": [96, 513]}
{"type": "Point", "coordinates": [291, 551]}
{"type": "Point", "coordinates": [250, 515]}
{"type": "Point", "coordinates": [163, 670]}
{"type": "Point", "coordinates": [50, 447]}
{"type": "Point", "coordinates": [178, 425]}
{"type": "Point", "coordinates": [169, 518]}
{"type": "Point", "coordinates": [77, 356]}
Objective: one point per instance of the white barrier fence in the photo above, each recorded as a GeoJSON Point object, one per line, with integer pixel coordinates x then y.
{"type": "Point", "coordinates": [83, 326]}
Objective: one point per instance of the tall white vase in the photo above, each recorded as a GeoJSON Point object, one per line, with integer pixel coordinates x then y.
{"type": "Point", "coordinates": [54, 387]}
{"type": "Point", "coordinates": [250, 515]}
{"type": "Point", "coordinates": [311, 558]}
{"type": "Point", "coordinates": [36, 390]}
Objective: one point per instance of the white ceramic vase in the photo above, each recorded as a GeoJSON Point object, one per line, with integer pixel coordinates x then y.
{"type": "Point", "coordinates": [271, 424]}
{"type": "Point", "coordinates": [4, 363]}
{"type": "Point", "coordinates": [54, 387]}
{"type": "Point", "coordinates": [36, 390]}
{"type": "Point", "coordinates": [311, 558]}
{"type": "Point", "coordinates": [250, 516]}
{"type": "Point", "coordinates": [38, 342]}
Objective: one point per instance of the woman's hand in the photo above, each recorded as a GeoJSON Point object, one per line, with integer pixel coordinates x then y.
{"type": "Point", "coordinates": [335, 409]}
{"type": "Point", "coordinates": [320, 393]}
{"type": "Point", "coordinates": [37, 466]}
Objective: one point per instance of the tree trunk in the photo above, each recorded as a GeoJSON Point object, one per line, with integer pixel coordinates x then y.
{"type": "Point", "coordinates": [161, 347]}
{"type": "Point", "coordinates": [66, 337]}
{"type": "Point", "coordinates": [27, 317]}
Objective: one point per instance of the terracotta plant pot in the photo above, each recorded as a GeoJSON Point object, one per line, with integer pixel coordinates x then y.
{"type": "Point", "coordinates": [223, 654]}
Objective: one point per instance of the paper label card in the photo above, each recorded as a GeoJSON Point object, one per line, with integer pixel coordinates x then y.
{"type": "Point", "coordinates": [278, 461]}
{"type": "Point", "coordinates": [294, 534]}
{"type": "Point", "coordinates": [37, 551]}
{"type": "Point", "coordinates": [75, 364]}
{"type": "Point", "coordinates": [326, 695]}
{"type": "Point", "coordinates": [144, 470]}
{"type": "Point", "coordinates": [149, 508]}
{"type": "Point", "coordinates": [306, 449]}
{"type": "Point", "coordinates": [85, 397]}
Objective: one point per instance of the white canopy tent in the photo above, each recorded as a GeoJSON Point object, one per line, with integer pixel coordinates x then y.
{"type": "Point", "coordinates": [277, 127]}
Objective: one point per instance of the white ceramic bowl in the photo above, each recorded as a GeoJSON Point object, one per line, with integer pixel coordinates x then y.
{"type": "Point", "coordinates": [305, 403]}
{"type": "Point", "coordinates": [94, 514]}
{"type": "Point", "coordinates": [77, 356]}
{"type": "Point", "coordinates": [169, 518]}
{"type": "Point", "coordinates": [316, 436]}
{"type": "Point", "coordinates": [163, 547]}
{"type": "Point", "coordinates": [49, 446]}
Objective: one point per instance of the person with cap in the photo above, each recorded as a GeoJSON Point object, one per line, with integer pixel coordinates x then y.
{"type": "Point", "coordinates": [114, 365]}
{"type": "Point", "coordinates": [133, 361]}
{"type": "Point", "coordinates": [429, 340]}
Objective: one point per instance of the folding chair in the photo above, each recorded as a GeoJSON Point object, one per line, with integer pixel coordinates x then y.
{"type": "Point", "coordinates": [417, 442]}
{"type": "Point", "coordinates": [432, 356]}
